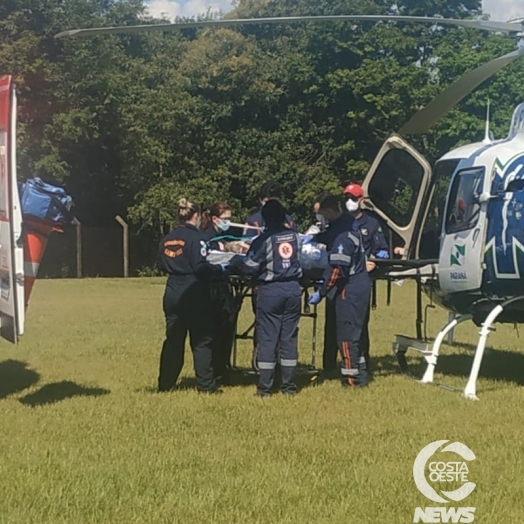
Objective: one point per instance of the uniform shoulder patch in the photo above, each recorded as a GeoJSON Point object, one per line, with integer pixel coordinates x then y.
{"type": "Point", "coordinates": [340, 249]}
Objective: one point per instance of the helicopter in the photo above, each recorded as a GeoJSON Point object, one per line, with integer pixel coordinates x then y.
{"type": "Point", "coordinates": [471, 262]}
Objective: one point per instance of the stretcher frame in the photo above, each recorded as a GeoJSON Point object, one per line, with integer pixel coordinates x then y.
{"type": "Point", "coordinates": [242, 288]}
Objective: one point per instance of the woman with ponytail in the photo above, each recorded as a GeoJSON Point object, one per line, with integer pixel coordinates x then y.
{"type": "Point", "coordinates": [182, 255]}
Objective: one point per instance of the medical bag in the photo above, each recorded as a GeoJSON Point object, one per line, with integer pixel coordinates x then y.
{"type": "Point", "coordinates": [44, 201]}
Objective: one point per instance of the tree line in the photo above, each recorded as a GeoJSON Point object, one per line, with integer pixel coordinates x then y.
{"type": "Point", "coordinates": [129, 123]}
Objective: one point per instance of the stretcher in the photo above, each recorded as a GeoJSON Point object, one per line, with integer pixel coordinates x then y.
{"type": "Point", "coordinates": [242, 287]}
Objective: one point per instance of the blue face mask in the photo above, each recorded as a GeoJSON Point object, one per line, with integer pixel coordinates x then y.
{"type": "Point", "coordinates": [224, 225]}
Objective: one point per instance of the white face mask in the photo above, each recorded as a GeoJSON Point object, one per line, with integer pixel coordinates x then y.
{"type": "Point", "coordinates": [321, 219]}
{"type": "Point", "coordinates": [199, 223]}
{"type": "Point", "coordinates": [352, 206]}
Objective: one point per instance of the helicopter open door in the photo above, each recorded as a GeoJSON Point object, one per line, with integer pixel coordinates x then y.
{"type": "Point", "coordinates": [463, 232]}
{"type": "Point", "coordinates": [12, 307]}
{"type": "Point", "coordinates": [396, 189]}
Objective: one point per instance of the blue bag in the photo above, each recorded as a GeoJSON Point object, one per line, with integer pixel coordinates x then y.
{"type": "Point", "coordinates": [45, 202]}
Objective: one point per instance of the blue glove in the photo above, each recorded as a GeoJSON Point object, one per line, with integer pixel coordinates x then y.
{"type": "Point", "coordinates": [306, 239]}
{"type": "Point", "coordinates": [314, 299]}
{"type": "Point", "coordinates": [382, 254]}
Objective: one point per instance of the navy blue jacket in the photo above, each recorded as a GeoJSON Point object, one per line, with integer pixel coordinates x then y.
{"type": "Point", "coordinates": [345, 222]}
{"type": "Point", "coordinates": [182, 255]}
{"type": "Point", "coordinates": [346, 259]}
{"type": "Point", "coordinates": [372, 236]}
{"type": "Point", "coordinates": [274, 257]}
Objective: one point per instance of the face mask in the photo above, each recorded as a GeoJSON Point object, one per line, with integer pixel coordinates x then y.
{"type": "Point", "coordinates": [321, 220]}
{"type": "Point", "coordinates": [199, 223]}
{"type": "Point", "coordinates": [224, 225]}
{"type": "Point", "coordinates": [352, 206]}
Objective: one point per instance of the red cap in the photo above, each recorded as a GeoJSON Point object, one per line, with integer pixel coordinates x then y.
{"type": "Point", "coordinates": [354, 190]}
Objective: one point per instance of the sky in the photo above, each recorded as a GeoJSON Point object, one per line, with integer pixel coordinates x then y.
{"type": "Point", "coordinates": [498, 9]}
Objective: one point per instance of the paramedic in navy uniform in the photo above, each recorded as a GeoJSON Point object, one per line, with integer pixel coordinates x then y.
{"type": "Point", "coordinates": [374, 245]}
{"type": "Point", "coordinates": [348, 281]}
{"type": "Point", "coordinates": [273, 261]}
{"type": "Point", "coordinates": [182, 255]}
{"type": "Point", "coordinates": [328, 211]}
{"type": "Point", "coordinates": [270, 190]}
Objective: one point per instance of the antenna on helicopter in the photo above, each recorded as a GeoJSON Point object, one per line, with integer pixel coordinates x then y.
{"type": "Point", "coordinates": [487, 136]}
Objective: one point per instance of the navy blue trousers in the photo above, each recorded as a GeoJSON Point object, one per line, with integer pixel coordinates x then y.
{"type": "Point", "coordinates": [187, 309]}
{"type": "Point", "coordinates": [277, 318]}
{"type": "Point", "coordinates": [352, 306]}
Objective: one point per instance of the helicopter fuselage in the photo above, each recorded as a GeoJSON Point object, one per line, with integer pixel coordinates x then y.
{"type": "Point", "coordinates": [481, 252]}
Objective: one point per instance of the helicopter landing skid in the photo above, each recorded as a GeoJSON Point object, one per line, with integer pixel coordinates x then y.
{"type": "Point", "coordinates": [403, 343]}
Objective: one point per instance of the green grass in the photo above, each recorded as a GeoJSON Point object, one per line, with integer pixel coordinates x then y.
{"type": "Point", "coordinates": [85, 439]}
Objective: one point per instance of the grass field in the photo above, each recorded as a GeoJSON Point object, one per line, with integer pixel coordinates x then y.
{"type": "Point", "coordinates": [85, 438]}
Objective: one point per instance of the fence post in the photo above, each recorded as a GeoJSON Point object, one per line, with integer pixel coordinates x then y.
{"type": "Point", "coordinates": [78, 225]}
{"type": "Point", "coordinates": [125, 232]}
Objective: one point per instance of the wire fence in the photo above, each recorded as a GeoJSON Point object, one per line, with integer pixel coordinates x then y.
{"type": "Point", "coordinates": [81, 252]}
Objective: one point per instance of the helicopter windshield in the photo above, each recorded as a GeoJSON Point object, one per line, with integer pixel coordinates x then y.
{"type": "Point", "coordinates": [464, 207]}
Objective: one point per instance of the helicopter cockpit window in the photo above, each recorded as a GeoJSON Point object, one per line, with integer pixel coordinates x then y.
{"type": "Point", "coordinates": [396, 184]}
{"type": "Point", "coordinates": [463, 206]}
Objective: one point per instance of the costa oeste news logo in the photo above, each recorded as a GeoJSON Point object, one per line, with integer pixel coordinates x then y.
{"type": "Point", "coordinates": [442, 470]}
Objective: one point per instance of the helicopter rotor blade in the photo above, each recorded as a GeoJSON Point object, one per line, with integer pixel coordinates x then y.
{"type": "Point", "coordinates": [484, 25]}
{"type": "Point", "coordinates": [427, 117]}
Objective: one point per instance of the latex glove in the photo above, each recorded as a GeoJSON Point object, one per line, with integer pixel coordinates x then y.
{"type": "Point", "coordinates": [306, 239]}
{"type": "Point", "coordinates": [382, 254]}
{"type": "Point", "coordinates": [314, 298]}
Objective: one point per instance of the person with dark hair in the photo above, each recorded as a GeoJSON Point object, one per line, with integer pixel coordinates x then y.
{"type": "Point", "coordinates": [273, 261]}
{"type": "Point", "coordinates": [182, 255]}
{"type": "Point", "coordinates": [270, 190]}
{"type": "Point", "coordinates": [215, 224]}
{"type": "Point", "coordinates": [328, 207]}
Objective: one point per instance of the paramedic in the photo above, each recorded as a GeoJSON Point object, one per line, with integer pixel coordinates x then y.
{"type": "Point", "coordinates": [375, 245]}
{"type": "Point", "coordinates": [273, 261]}
{"type": "Point", "coordinates": [347, 282]}
{"type": "Point", "coordinates": [270, 190]}
{"type": "Point", "coordinates": [182, 255]}
{"type": "Point", "coordinates": [216, 225]}
{"type": "Point", "coordinates": [328, 212]}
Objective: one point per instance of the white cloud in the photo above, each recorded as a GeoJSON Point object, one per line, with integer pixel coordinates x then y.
{"type": "Point", "coordinates": [502, 10]}
{"type": "Point", "coordinates": [171, 9]}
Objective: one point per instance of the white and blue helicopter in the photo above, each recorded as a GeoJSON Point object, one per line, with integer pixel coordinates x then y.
{"type": "Point", "coordinates": [467, 252]}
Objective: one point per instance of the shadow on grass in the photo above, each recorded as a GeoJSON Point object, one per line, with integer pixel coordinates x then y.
{"type": "Point", "coordinates": [16, 377]}
{"type": "Point", "coordinates": [58, 391]}
{"type": "Point", "coordinates": [500, 365]}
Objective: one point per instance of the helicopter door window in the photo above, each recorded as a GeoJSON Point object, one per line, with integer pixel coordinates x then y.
{"type": "Point", "coordinates": [464, 207]}
{"type": "Point", "coordinates": [396, 185]}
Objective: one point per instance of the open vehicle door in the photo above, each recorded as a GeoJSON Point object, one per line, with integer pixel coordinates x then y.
{"type": "Point", "coordinates": [12, 307]}
{"type": "Point", "coordinates": [397, 189]}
